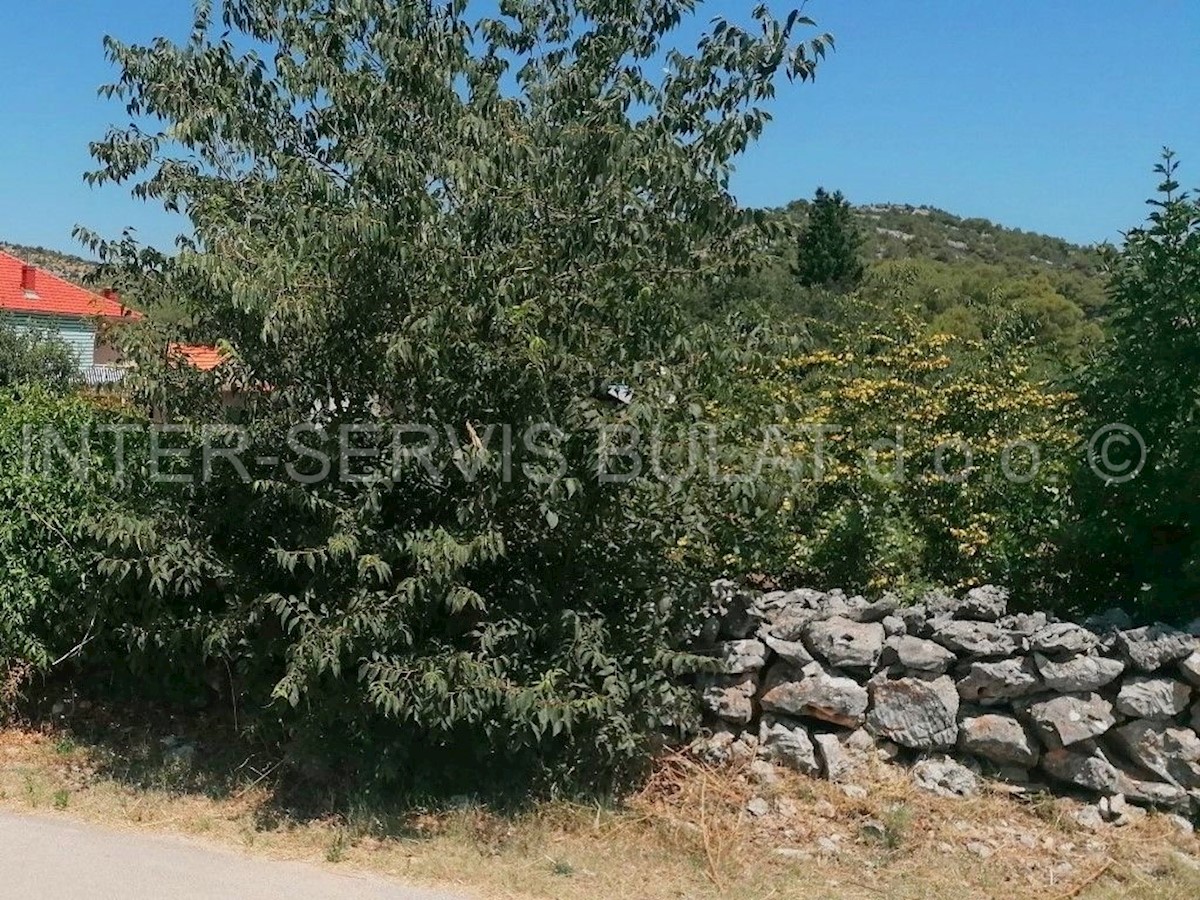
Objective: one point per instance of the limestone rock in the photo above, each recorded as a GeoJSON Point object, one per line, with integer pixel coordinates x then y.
{"type": "Point", "coordinates": [786, 613]}
{"type": "Point", "coordinates": [846, 644]}
{"type": "Point", "coordinates": [1024, 624]}
{"type": "Point", "coordinates": [758, 807]}
{"type": "Point", "coordinates": [859, 741]}
{"type": "Point", "coordinates": [893, 626]}
{"type": "Point", "coordinates": [939, 603]}
{"type": "Point", "coordinates": [915, 654]}
{"type": "Point", "coordinates": [724, 746]}
{"type": "Point", "coordinates": [921, 715]}
{"type": "Point", "coordinates": [1154, 646]}
{"type": "Point", "coordinates": [872, 612]}
{"type": "Point", "coordinates": [1182, 825]}
{"type": "Point", "coordinates": [945, 777]}
{"type": "Point", "coordinates": [1078, 674]}
{"type": "Point", "coordinates": [1071, 718]}
{"type": "Point", "coordinates": [739, 657]}
{"type": "Point", "coordinates": [1003, 679]}
{"type": "Point", "coordinates": [713, 749]}
{"type": "Point", "coordinates": [732, 604]}
{"type": "Point", "coordinates": [978, 639]}
{"type": "Point", "coordinates": [983, 604]}
{"type": "Point", "coordinates": [1145, 697]}
{"type": "Point", "coordinates": [787, 743]}
{"type": "Point", "coordinates": [1062, 639]}
{"type": "Point", "coordinates": [791, 652]}
{"type": "Point", "coordinates": [1190, 669]}
{"type": "Point", "coordinates": [1088, 818]}
{"type": "Point", "coordinates": [789, 624]}
{"type": "Point", "coordinates": [998, 738]}
{"type": "Point", "coordinates": [1112, 808]}
{"type": "Point", "coordinates": [1171, 753]}
{"type": "Point", "coordinates": [763, 773]}
{"type": "Point", "coordinates": [1154, 793]}
{"type": "Point", "coordinates": [729, 697]}
{"type": "Point", "coordinates": [804, 598]}
{"type": "Point", "coordinates": [1081, 769]}
{"type": "Point", "coordinates": [915, 618]}
{"type": "Point", "coordinates": [836, 763]}
{"type": "Point", "coordinates": [814, 693]}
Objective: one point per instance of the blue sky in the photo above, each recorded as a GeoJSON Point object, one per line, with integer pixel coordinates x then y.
{"type": "Point", "coordinates": [1039, 114]}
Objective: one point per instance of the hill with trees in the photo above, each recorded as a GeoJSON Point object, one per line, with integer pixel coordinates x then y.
{"type": "Point", "coordinates": [902, 231]}
{"type": "Point", "coordinates": [966, 277]}
{"type": "Point", "coordinates": [888, 231]}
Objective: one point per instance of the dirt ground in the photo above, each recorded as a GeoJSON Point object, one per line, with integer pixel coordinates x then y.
{"type": "Point", "coordinates": [688, 833]}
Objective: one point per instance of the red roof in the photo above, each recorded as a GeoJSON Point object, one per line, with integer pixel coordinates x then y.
{"type": "Point", "coordinates": [51, 295]}
{"type": "Point", "coordinates": [201, 357]}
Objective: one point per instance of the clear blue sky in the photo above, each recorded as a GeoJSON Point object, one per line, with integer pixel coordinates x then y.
{"type": "Point", "coordinates": [1039, 114]}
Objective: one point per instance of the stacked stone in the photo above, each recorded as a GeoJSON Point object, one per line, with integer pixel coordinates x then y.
{"type": "Point", "coordinates": [816, 680]}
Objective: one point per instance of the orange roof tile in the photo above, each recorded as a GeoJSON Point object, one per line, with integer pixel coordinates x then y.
{"type": "Point", "coordinates": [50, 295]}
{"type": "Point", "coordinates": [199, 356]}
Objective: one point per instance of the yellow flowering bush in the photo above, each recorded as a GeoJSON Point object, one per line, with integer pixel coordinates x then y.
{"type": "Point", "coordinates": [900, 460]}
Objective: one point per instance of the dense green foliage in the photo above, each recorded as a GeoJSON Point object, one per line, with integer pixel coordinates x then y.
{"type": "Point", "coordinates": [829, 246]}
{"type": "Point", "coordinates": [455, 265]}
{"type": "Point", "coordinates": [49, 496]}
{"type": "Point", "coordinates": [905, 461]}
{"type": "Point", "coordinates": [44, 510]}
{"type": "Point", "coordinates": [32, 357]}
{"type": "Point", "coordinates": [405, 215]}
{"type": "Point", "coordinates": [1140, 537]}
{"type": "Point", "coordinates": [959, 276]}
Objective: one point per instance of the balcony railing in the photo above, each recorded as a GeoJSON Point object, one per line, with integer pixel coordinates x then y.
{"type": "Point", "coordinates": [102, 376]}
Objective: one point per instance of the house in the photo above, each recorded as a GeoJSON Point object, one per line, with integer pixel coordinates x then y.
{"type": "Point", "coordinates": [34, 299]}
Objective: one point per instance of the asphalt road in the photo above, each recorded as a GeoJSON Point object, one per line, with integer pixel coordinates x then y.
{"type": "Point", "coordinates": [50, 858]}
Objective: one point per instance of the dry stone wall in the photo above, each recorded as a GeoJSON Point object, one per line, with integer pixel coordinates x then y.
{"type": "Point", "coordinates": [955, 687]}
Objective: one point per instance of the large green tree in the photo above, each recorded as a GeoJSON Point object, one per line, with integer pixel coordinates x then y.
{"type": "Point", "coordinates": [829, 245]}
{"type": "Point", "coordinates": [1138, 531]}
{"type": "Point", "coordinates": [410, 213]}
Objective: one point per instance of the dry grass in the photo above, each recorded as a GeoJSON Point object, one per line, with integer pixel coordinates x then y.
{"type": "Point", "coordinates": [686, 834]}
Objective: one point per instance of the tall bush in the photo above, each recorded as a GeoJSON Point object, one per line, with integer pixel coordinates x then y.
{"type": "Point", "coordinates": [830, 245]}
{"type": "Point", "coordinates": [903, 459]}
{"type": "Point", "coordinates": [1137, 530]}
{"type": "Point", "coordinates": [411, 214]}
{"type": "Point", "coordinates": [50, 491]}
{"type": "Point", "coordinates": [35, 357]}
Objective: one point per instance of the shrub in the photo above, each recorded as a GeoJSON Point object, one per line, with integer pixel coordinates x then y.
{"type": "Point", "coordinates": [410, 217]}
{"type": "Point", "coordinates": [46, 504]}
{"type": "Point", "coordinates": [1136, 535]}
{"type": "Point", "coordinates": [976, 407]}
{"type": "Point", "coordinates": [33, 357]}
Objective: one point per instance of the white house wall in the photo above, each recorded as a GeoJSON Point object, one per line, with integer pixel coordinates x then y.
{"type": "Point", "coordinates": [78, 334]}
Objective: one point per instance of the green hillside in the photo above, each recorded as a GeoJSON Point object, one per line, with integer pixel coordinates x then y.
{"type": "Point", "coordinates": [967, 277]}
{"type": "Point", "coordinates": [958, 259]}
{"type": "Point", "coordinates": [895, 231]}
